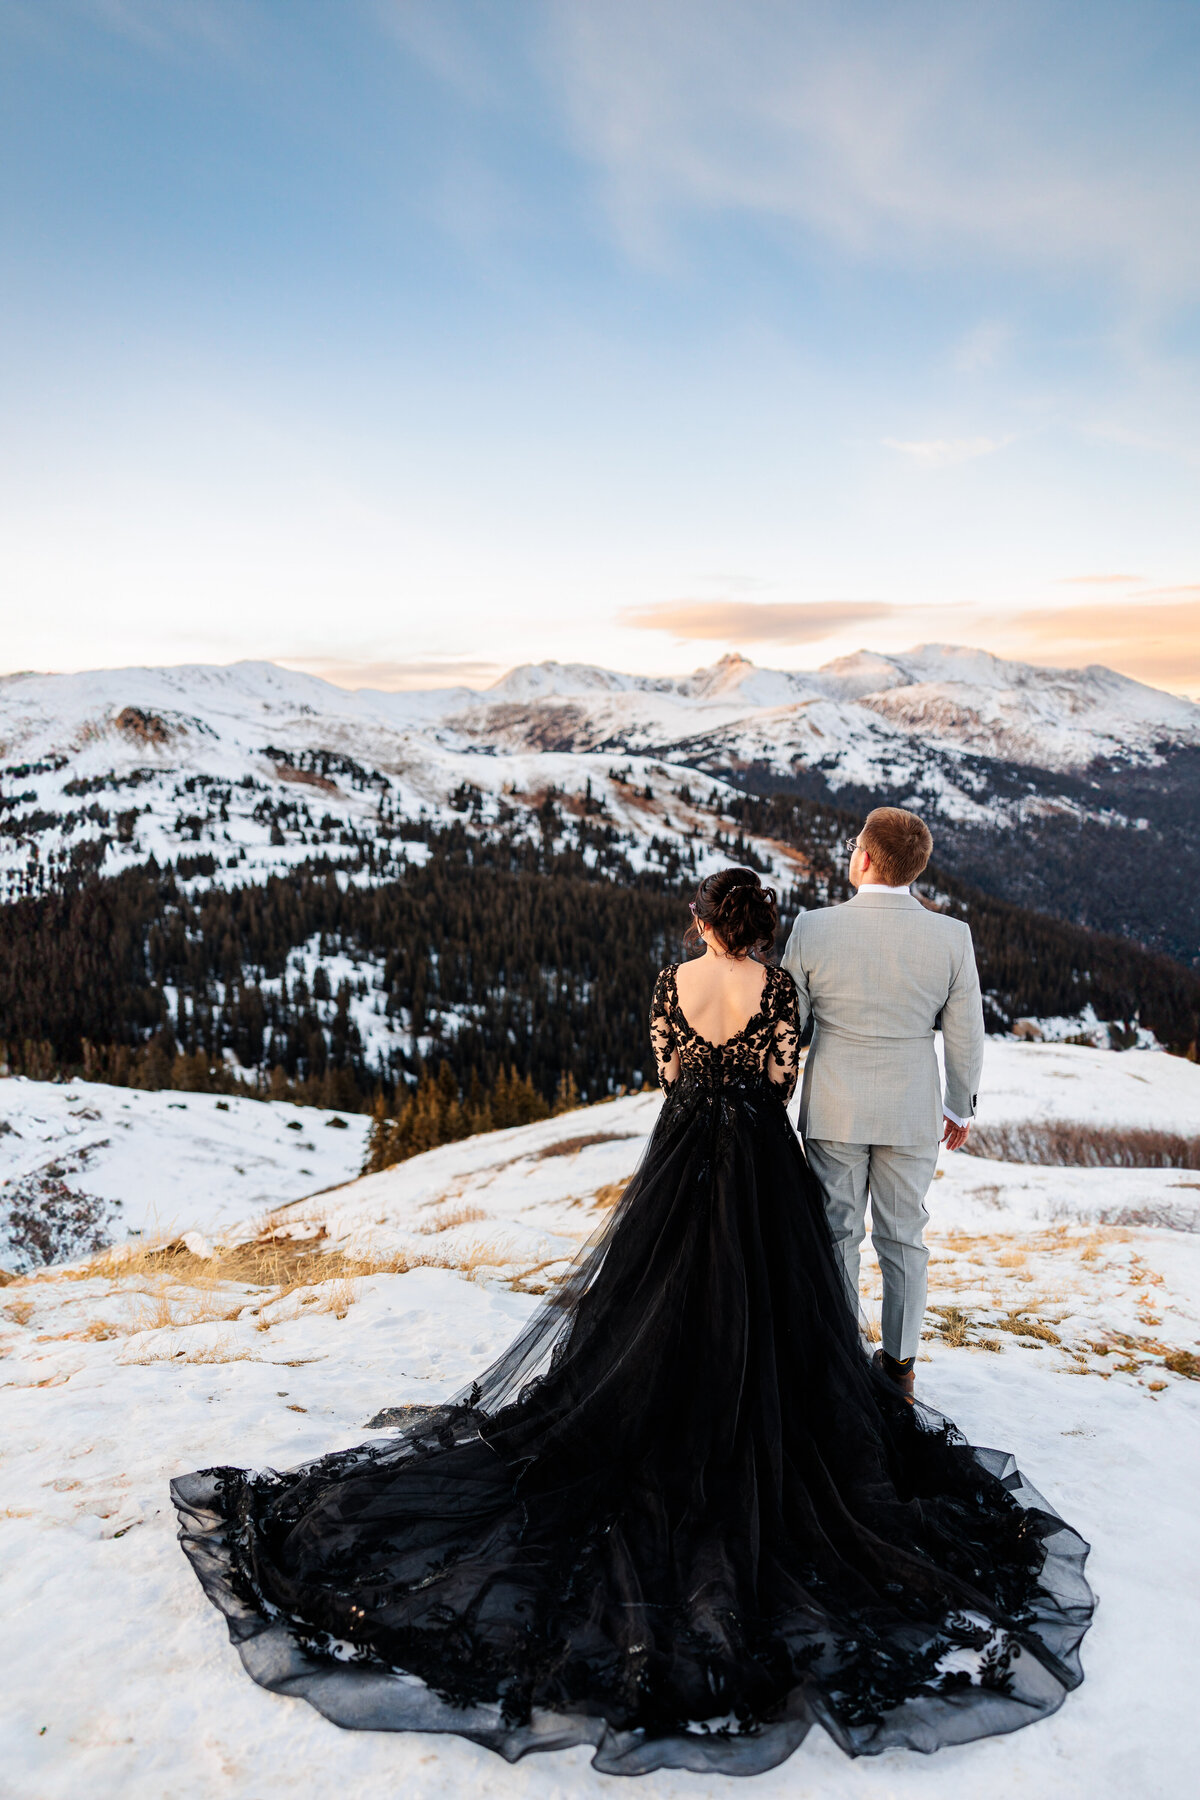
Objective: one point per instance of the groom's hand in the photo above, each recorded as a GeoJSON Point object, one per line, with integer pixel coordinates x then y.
{"type": "Point", "coordinates": [955, 1136]}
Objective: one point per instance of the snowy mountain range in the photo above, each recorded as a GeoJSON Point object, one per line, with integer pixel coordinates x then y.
{"type": "Point", "coordinates": [247, 769]}
{"type": "Point", "coordinates": [855, 716]}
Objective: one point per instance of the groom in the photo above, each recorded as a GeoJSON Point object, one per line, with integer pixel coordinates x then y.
{"type": "Point", "coordinates": [879, 975]}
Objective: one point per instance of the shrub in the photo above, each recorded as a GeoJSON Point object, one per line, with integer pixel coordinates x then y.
{"type": "Point", "coordinates": [1066, 1144]}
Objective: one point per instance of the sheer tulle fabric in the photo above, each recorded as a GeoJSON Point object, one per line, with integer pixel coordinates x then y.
{"type": "Point", "coordinates": [681, 1518]}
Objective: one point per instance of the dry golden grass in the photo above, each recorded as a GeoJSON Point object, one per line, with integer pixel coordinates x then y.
{"type": "Point", "coordinates": [535, 1281]}
{"type": "Point", "coordinates": [572, 1145]}
{"type": "Point", "coordinates": [268, 1261]}
{"type": "Point", "coordinates": [473, 1256]}
{"type": "Point", "coordinates": [336, 1297]}
{"type": "Point", "coordinates": [19, 1312]}
{"type": "Point", "coordinates": [226, 1350]}
{"type": "Point", "coordinates": [457, 1215]}
{"type": "Point", "coordinates": [606, 1198]}
{"type": "Point", "coordinates": [166, 1308]}
{"type": "Point", "coordinates": [977, 1278]}
{"type": "Point", "coordinates": [953, 1325]}
{"type": "Point", "coordinates": [221, 1350]}
{"type": "Point", "coordinates": [1066, 1144]}
{"type": "Point", "coordinates": [1023, 1326]}
{"type": "Point", "coordinates": [174, 1288]}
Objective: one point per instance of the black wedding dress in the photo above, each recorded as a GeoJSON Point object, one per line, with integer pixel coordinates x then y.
{"type": "Point", "coordinates": [681, 1519]}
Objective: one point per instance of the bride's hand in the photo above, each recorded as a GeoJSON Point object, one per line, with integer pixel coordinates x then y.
{"type": "Point", "coordinates": [955, 1136]}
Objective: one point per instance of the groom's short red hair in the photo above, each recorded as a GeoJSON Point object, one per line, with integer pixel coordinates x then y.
{"type": "Point", "coordinates": [898, 843]}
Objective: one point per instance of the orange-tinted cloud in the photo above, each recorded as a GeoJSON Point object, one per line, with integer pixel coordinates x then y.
{"type": "Point", "coordinates": [755, 622]}
{"type": "Point", "coordinates": [1155, 641]}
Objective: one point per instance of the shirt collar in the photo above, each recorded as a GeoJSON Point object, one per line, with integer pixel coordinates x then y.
{"type": "Point", "coordinates": [877, 887]}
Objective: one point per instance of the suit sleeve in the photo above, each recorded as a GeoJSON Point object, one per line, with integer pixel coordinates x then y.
{"type": "Point", "coordinates": [793, 961]}
{"type": "Point", "coordinates": [963, 1034]}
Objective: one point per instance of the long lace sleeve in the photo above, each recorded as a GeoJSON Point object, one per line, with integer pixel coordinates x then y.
{"type": "Point", "coordinates": [662, 1032]}
{"type": "Point", "coordinates": [783, 1060]}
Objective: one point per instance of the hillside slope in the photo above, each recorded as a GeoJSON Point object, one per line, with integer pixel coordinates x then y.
{"type": "Point", "coordinates": [1051, 1332]}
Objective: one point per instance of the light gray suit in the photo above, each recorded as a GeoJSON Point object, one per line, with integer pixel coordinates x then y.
{"type": "Point", "coordinates": [879, 975]}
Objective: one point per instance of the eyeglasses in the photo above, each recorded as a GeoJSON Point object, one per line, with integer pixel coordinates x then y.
{"type": "Point", "coordinates": [851, 845]}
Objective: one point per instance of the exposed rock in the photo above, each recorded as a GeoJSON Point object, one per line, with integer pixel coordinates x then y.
{"type": "Point", "coordinates": [306, 778]}
{"type": "Point", "coordinates": [145, 727]}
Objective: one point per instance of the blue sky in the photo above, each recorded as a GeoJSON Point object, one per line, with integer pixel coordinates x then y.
{"type": "Point", "coordinates": [403, 341]}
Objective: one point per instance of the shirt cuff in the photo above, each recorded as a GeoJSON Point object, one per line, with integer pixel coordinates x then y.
{"type": "Point", "coordinates": [953, 1117]}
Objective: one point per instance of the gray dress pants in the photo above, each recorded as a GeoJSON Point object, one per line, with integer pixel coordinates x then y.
{"type": "Point", "coordinates": [897, 1178]}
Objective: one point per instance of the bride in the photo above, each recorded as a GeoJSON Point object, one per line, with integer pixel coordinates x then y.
{"type": "Point", "coordinates": [682, 1518]}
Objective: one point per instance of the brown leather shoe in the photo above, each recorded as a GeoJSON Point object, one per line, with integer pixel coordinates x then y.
{"type": "Point", "coordinates": [902, 1378]}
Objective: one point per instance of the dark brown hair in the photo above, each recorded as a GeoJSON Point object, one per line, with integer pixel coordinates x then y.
{"type": "Point", "coordinates": [898, 843]}
{"type": "Point", "coordinates": [735, 904]}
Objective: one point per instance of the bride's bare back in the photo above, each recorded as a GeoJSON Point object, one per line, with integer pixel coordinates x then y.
{"type": "Point", "coordinates": [720, 994]}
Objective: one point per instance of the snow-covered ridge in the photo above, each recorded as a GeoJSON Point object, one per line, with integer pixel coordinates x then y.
{"type": "Point", "coordinates": [252, 766]}
{"type": "Point", "coordinates": [1048, 718]}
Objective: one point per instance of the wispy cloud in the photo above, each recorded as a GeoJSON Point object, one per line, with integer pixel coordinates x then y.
{"type": "Point", "coordinates": [904, 133]}
{"type": "Point", "coordinates": [751, 622]}
{"type": "Point", "coordinates": [944, 453]}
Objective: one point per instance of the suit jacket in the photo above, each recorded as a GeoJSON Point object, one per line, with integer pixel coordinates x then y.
{"type": "Point", "coordinates": [879, 975]}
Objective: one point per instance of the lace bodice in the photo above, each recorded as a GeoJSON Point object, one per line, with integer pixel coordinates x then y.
{"type": "Point", "coordinates": [767, 1046]}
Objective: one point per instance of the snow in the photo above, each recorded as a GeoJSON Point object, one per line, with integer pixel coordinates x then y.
{"type": "Point", "coordinates": [174, 1161]}
{"type": "Point", "coordinates": [190, 754]}
{"type": "Point", "coordinates": [1146, 1089]}
{"type": "Point", "coordinates": [118, 1676]}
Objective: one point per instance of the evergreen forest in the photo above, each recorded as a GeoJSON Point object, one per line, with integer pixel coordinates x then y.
{"type": "Point", "coordinates": [508, 976]}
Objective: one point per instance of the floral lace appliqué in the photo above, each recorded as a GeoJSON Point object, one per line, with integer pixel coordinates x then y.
{"type": "Point", "coordinates": [766, 1048]}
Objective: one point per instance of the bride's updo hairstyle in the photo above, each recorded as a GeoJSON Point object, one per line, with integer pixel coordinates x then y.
{"type": "Point", "coordinates": [735, 904]}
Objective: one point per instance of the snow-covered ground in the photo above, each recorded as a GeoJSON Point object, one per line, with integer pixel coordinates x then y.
{"type": "Point", "coordinates": [1061, 1338]}
{"type": "Point", "coordinates": [174, 1161]}
{"type": "Point", "coordinates": [1135, 1089]}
